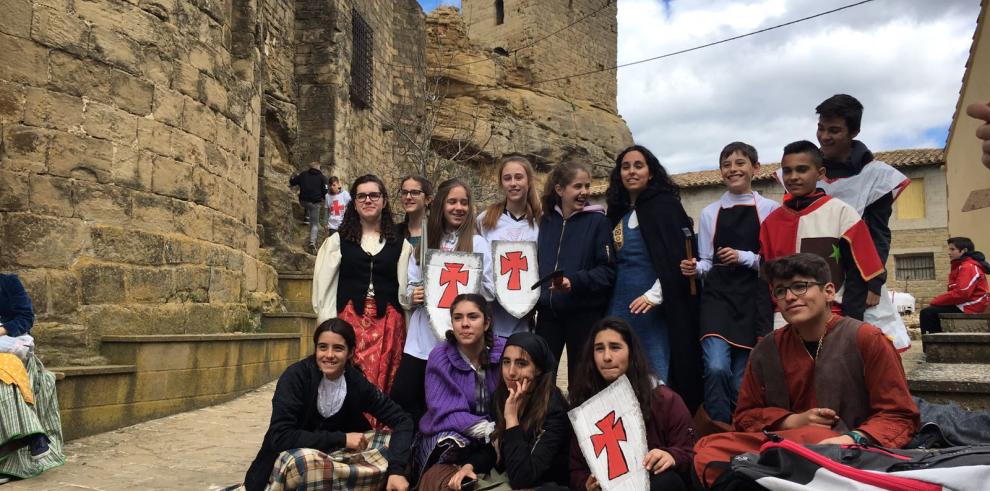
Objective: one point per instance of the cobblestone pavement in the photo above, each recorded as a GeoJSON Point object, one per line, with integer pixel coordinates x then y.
{"type": "Point", "coordinates": [205, 449]}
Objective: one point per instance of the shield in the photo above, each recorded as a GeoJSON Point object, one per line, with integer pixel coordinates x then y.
{"type": "Point", "coordinates": [447, 275]}
{"type": "Point", "coordinates": [610, 431]}
{"type": "Point", "coordinates": [515, 271]}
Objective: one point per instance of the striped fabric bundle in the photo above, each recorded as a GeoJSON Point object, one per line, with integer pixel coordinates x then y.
{"type": "Point", "coordinates": [312, 470]}
{"type": "Point", "coordinates": [18, 419]}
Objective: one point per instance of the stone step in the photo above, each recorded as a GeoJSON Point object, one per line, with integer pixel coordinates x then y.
{"type": "Point", "coordinates": [957, 347]}
{"type": "Point", "coordinates": [199, 351]}
{"type": "Point", "coordinates": [301, 324]}
{"type": "Point", "coordinates": [296, 291]}
{"type": "Point", "coordinates": [965, 383]}
{"type": "Point", "coordinates": [965, 322]}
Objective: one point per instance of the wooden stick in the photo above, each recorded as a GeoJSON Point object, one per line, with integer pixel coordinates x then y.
{"type": "Point", "coordinates": [690, 255]}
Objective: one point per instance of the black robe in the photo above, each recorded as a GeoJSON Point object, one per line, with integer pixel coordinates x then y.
{"type": "Point", "coordinates": [661, 220]}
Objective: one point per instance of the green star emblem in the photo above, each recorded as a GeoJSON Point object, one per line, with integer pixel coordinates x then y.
{"type": "Point", "coordinates": [835, 255]}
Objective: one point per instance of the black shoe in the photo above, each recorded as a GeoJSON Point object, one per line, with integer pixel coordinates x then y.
{"type": "Point", "coordinates": [39, 447]}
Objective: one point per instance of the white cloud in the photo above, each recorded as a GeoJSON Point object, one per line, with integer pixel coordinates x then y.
{"type": "Point", "coordinates": [904, 59]}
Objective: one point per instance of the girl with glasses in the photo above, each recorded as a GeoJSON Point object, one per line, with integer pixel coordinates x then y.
{"type": "Point", "coordinates": [361, 276]}
{"type": "Point", "coordinates": [415, 195]}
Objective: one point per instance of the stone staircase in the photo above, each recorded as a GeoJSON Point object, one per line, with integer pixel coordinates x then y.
{"type": "Point", "coordinates": [140, 377]}
{"type": "Point", "coordinates": [957, 365]}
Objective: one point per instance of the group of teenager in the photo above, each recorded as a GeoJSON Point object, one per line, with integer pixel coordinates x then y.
{"type": "Point", "coordinates": [480, 408]}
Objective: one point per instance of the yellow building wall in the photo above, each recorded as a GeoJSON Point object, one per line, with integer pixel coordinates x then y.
{"type": "Point", "coordinates": [964, 171]}
{"type": "Point", "coordinates": [911, 203]}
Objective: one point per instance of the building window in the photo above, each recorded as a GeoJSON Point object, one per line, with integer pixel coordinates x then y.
{"type": "Point", "coordinates": [911, 202]}
{"type": "Point", "coordinates": [362, 61]}
{"type": "Point", "coordinates": [914, 267]}
{"type": "Point", "coordinates": [499, 12]}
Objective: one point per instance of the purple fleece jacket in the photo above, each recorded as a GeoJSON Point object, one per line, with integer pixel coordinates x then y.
{"type": "Point", "coordinates": [450, 388]}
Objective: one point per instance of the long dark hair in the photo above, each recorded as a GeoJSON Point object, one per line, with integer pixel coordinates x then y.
{"type": "Point", "coordinates": [589, 380]}
{"type": "Point", "coordinates": [427, 192]}
{"type": "Point", "coordinates": [562, 175]}
{"type": "Point", "coordinates": [435, 224]}
{"type": "Point", "coordinates": [341, 327]}
{"type": "Point", "coordinates": [350, 227]}
{"type": "Point", "coordinates": [534, 407]}
{"type": "Point", "coordinates": [486, 312]}
{"type": "Point", "coordinates": [617, 198]}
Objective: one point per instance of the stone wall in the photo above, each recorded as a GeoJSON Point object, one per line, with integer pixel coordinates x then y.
{"type": "Point", "coordinates": [128, 168]}
{"type": "Point", "coordinates": [553, 39]}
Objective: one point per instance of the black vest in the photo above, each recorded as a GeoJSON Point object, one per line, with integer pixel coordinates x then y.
{"type": "Point", "coordinates": [358, 269]}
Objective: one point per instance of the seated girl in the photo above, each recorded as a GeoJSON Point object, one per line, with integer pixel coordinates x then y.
{"type": "Point", "coordinates": [613, 350]}
{"type": "Point", "coordinates": [317, 410]}
{"type": "Point", "coordinates": [461, 375]}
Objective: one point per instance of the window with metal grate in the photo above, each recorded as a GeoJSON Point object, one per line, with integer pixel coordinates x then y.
{"type": "Point", "coordinates": [913, 267]}
{"type": "Point", "coordinates": [362, 61]}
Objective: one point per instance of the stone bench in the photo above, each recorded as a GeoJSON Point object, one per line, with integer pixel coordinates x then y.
{"type": "Point", "coordinates": [965, 322]}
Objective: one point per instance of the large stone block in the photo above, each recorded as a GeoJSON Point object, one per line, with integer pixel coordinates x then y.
{"type": "Point", "coordinates": [104, 204]}
{"type": "Point", "coordinates": [172, 178]}
{"type": "Point", "coordinates": [16, 18]}
{"type": "Point", "coordinates": [60, 29]}
{"type": "Point", "coordinates": [80, 77]}
{"type": "Point", "coordinates": [132, 168]}
{"type": "Point", "coordinates": [188, 148]}
{"type": "Point", "coordinates": [214, 94]}
{"type": "Point", "coordinates": [225, 286]}
{"type": "Point", "coordinates": [65, 295]}
{"type": "Point", "coordinates": [157, 66]}
{"type": "Point", "coordinates": [198, 120]}
{"type": "Point", "coordinates": [192, 284]}
{"type": "Point", "coordinates": [51, 195]}
{"type": "Point", "coordinates": [127, 246]}
{"type": "Point", "coordinates": [80, 157]}
{"type": "Point", "coordinates": [12, 102]}
{"type": "Point", "coordinates": [108, 123]}
{"type": "Point", "coordinates": [25, 148]}
{"type": "Point", "coordinates": [180, 250]}
{"type": "Point", "coordinates": [125, 19]}
{"type": "Point", "coordinates": [130, 93]}
{"type": "Point", "coordinates": [153, 213]}
{"type": "Point", "coordinates": [34, 241]}
{"type": "Point", "coordinates": [150, 285]}
{"type": "Point", "coordinates": [24, 60]}
{"type": "Point", "coordinates": [13, 191]}
{"type": "Point", "coordinates": [168, 106]}
{"type": "Point", "coordinates": [194, 221]}
{"type": "Point", "coordinates": [101, 283]}
{"type": "Point", "coordinates": [53, 110]}
{"type": "Point", "coordinates": [185, 79]}
{"type": "Point", "coordinates": [154, 136]}
{"type": "Point", "coordinates": [116, 50]}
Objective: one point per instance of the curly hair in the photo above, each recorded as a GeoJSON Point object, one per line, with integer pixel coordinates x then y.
{"type": "Point", "coordinates": [617, 198]}
{"type": "Point", "coordinates": [589, 380]}
{"type": "Point", "coordinates": [350, 227]}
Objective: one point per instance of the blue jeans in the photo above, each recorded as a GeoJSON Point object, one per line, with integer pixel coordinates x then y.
{"type": "Point", "coordinates": [724, 368]}
{"type": "Point", "coordinates": [313, 215]}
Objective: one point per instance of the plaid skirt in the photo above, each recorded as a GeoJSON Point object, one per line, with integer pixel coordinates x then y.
{"type": "Point", "coordinates": [312, 470]}
{"type": "Point", "coordinates": [18, 420]}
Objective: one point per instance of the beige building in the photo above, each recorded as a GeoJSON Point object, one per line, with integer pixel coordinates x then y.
{"type": "Point", "coordinates": [918, 261]}
{"type": "Point", "coordinates": [968, 180]}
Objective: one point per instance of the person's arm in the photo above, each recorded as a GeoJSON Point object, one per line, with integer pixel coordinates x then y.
{"type": "Point", "coordinates": [294, 180]}
{"type": "Point", "coordinates": [752, 413]}
{"type": "Point", "coordinates": [579, 470]}
{"type": "Point", "coordinates": [706, 236]}
{"type": "Point", "coordinates": [677, 426]}
{"type": "Point", "coordinates": [325, 276]}
{"type": "Point", "coordinates": [488, 278]}
{"type": "Point", "coordinates": [526, 462]}
{"type": "Point", "coordinates": [895, 417]}
{"type": "Point", "coordinates": [967, 279]}
{"type": "Point", "coordinates": [288, 406]}
{"type": "Point", "coordinates": [401, 424]}
{"type": "Point", "coordinates": [482, 458]}
{"type": "Point", "coordinates": [18, 306]}
{"type": "Point", "coordinates": [877, 218]}
{"type": "Point", "coordinates": [600, 277]}
{"type": "Point", "coordinates": [402, 273]}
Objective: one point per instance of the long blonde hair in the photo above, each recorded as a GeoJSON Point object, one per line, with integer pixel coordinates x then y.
{"type": "Point", "coordinates": [533, 207]}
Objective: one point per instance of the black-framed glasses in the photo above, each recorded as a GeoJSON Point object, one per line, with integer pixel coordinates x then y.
{"type": "Point", "coordinates": [798, 288]}
{"type": "Point", "coordinates": [373, 197]}
{"type": "Point", "coordinates": [415, 193]}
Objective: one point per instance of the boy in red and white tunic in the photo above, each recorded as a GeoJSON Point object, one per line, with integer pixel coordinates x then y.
{"type": "Point", "coordinates": [967, 289]}
{"type": "Point", "coordinates": [812, 221]}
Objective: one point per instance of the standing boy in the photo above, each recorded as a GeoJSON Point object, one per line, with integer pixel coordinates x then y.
{"type": "Point", "coordinates": [967, 290]}
{"type": "Point", "coordinates": [812, 221]}
{"type": "Point", "coordinates": [735, 303]}
{"type": "Point", "coordinates": [822, 378]}
{"type": "Point", "coordinates": [312, 188]}
{"type": "Point", "coordinates": [337, 202]}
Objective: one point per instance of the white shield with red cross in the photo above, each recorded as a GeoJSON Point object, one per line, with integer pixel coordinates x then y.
{"type": "Point", "coordinates": [514, 264]}
{"type": "Point", "coordinates": [447, 275]}
{"type": "Point", "coordinates": [610, 431]}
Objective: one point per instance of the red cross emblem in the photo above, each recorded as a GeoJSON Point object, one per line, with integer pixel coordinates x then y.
{"type": "Point", "coordinates": [336, 208]}
{"type": "Point", "coordinates": [513, 263]}
{"type": "Point", "coordinates": [451, 275]}
{"type": "Point", "coordinates": [608, 440]}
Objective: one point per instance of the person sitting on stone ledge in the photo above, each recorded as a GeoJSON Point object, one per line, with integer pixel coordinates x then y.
{"type": "Point", "coordinates": [318, 433]}
{"type": "Point", "coordinates": [822, 378]}
{"type": "Point", "coordinates": [30, 428]}
{"type": "Point", "coordinates": [967, 289]}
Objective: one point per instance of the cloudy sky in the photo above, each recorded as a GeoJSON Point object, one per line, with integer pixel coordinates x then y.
{"type": "Point", "coordinates": [903, 59]}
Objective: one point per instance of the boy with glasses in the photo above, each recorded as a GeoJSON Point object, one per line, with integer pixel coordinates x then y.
{"type": "Point", "coordinates": [337, 201]}
{"type": "Point", "coordinates": [812, 221]}
{"type": "Point", "coordinates": [822, 378]}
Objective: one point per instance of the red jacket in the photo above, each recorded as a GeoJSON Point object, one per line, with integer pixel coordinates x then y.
{"type": "Point", "coordinates": [967, 285]}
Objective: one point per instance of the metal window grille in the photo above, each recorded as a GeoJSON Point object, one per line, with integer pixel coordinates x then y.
{"type": "Point", "coordinates": [499, 12]}
{"type": "Point", "coordinates": [911, 267]}
{"type": "Point", "coordinates": [362, 61]}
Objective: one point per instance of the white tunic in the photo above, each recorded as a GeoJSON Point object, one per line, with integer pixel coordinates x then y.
{"type": "Point", "coordinates": [508, 228]}
{"type": "Point", "coordinates": [709, 216]}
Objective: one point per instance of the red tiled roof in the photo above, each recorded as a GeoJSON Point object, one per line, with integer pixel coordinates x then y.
{"type": "Point", "coordinates": [897, 158]}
